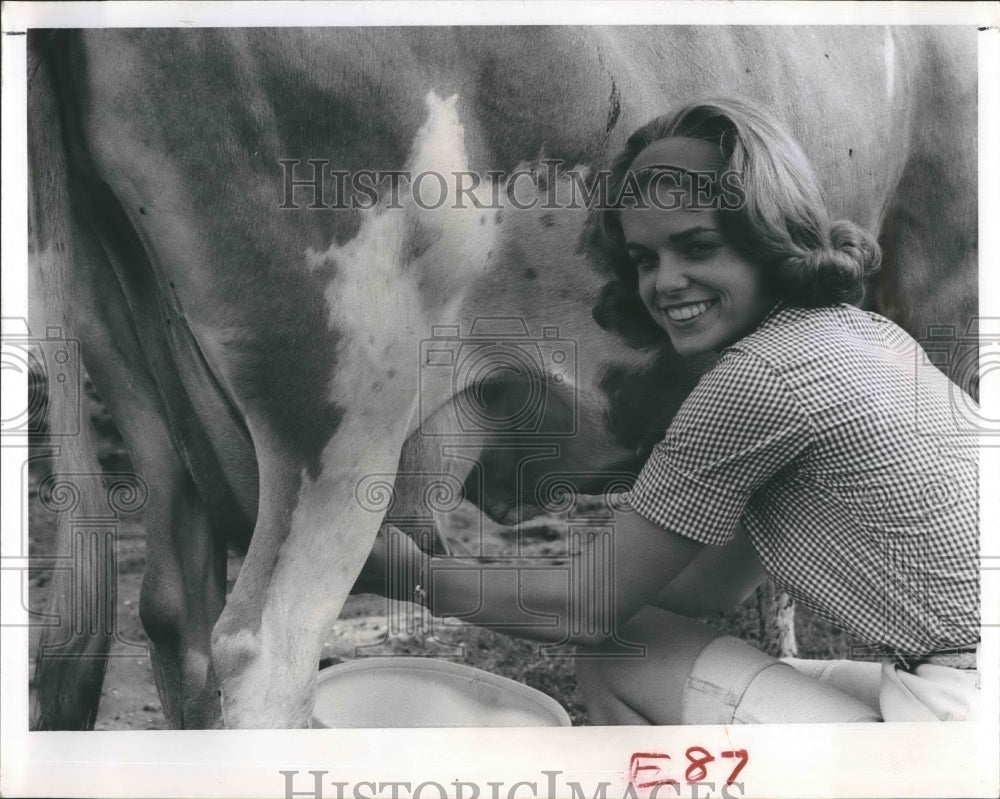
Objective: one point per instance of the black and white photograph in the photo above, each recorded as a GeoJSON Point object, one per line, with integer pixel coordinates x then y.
{"type": "Point", "coordinates": [500, 400]}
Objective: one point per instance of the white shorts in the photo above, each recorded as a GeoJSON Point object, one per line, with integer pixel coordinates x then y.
{"type": "Point", "coordinates": [732, 682]}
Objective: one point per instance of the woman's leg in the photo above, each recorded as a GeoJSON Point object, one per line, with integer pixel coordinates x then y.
{"type": "Point", "coordinates": [693, 674]}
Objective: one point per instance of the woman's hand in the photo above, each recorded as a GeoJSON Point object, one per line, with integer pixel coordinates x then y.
{"type": "Point", "coordinates": [393, 567]}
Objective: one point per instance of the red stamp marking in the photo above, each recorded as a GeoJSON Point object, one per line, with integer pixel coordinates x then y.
{"type": "Point", "coordinates": [637, 764]}
{"type": "Point", "coordinates": [650, 767]}
{"type": "Point", "coordinates": [743, 757]}
{"type": "Point", "coordinates": [699, 758]}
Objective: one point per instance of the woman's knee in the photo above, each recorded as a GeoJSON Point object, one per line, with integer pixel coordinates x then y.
{"type": "Point", "coordinates": [600, 680]}
{"type": "Point", "coordinates": [641, 674]}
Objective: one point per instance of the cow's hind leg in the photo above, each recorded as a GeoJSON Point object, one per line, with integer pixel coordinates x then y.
{"type": "Point", "coordinates": [183, 587]}
{"type": "Point", "coordinates": [308, 548]}
{"type": "Point", "coordinates": [83, 243]}
{"type": "Point", "coordinates": [183, 591]}
{"type": "Point", "coordinates": [311, 539]}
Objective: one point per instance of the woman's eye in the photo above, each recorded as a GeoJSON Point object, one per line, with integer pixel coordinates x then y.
{"type": "Point", "coordinates": [700, 249]}
{"type": "Point", "coordinates": [643, 261]}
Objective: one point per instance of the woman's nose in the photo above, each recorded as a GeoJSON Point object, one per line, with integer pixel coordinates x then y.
{"type": "Point", "coordinates": [670, 276]}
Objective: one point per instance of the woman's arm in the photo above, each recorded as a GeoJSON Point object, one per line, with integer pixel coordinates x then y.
{"type": "Point", "coordinates": [553, 604]}
{"type": "Point", "coordinates": [717, 579]}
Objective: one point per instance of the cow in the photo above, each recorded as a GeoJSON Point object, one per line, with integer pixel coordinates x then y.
{"type": "Point", "coordinates": [268, 339]}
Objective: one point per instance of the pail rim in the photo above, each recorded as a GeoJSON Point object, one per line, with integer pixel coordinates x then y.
{"type": "Point", "coordinates": [454, 675]}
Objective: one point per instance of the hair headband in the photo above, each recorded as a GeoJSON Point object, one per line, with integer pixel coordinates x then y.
{"type": "Point", "coordinates": [680, 152]}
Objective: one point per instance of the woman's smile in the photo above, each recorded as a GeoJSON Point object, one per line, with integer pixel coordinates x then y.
{"type": "Point", "coordinates": [684, 312]}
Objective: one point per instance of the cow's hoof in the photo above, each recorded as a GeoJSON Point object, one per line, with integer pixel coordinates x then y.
{"type": "Point", "coordinates": [257, 689]}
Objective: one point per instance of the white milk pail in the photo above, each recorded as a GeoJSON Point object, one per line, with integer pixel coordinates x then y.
{"type": "Point", "coordinates": [423, 692]}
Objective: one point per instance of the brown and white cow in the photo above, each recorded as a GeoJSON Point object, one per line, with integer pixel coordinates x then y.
{"type": "Point", "coordinates": [262, 361]}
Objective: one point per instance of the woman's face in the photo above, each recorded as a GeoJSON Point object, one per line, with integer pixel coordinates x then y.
{"type": "Point", "coordinates": [691, 280]}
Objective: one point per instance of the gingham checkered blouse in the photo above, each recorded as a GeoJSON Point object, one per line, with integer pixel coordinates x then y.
{"type": "Point", "coordinates": [829, 434]}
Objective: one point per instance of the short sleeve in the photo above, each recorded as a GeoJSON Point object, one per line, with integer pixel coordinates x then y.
{"type": "Point", "coordinates": [738, 428]}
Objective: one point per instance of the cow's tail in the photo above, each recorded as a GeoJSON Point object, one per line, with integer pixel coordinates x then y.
{"type": "Point", "coordinates": [71, 657]}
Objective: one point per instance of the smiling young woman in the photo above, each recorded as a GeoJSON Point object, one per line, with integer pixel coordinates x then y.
{"type": "Point", "coordinates": [798, 456]}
